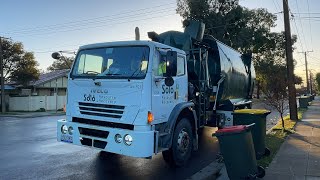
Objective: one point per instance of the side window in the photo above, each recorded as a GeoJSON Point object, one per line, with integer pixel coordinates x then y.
{"type": "Point", "coordinates": [180, 66]}
{"type": "Point", "coordinates": [159, 68]}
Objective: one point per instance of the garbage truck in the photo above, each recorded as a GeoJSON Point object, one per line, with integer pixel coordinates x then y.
{"type": "Point", "coordinates": [139, 98]}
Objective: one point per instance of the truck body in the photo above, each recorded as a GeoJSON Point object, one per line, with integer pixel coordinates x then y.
{"type": "Point", "coordinates": [140, 98]}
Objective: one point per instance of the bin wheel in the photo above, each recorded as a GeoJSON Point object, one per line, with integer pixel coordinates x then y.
{"type": "Point", "coordinates": [261, 172]}
{"type": "Point", "coordinates": [267, 152]}
{"type": "Point", "coordinates": [182, 143]}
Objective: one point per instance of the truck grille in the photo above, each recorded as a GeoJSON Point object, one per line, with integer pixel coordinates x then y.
{"type": "Point", "coordinates": [102, 123]}
{"type": "Point", "coordinates": [93, 132]}
{"type": "Point", "coordinates": [104, 110]}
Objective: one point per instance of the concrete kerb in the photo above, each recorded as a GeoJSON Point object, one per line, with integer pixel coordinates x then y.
{"type": "Point", "coordinates": [33, 114]}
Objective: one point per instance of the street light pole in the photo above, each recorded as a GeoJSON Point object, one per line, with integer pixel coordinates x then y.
{"type": "Point", "coordinates": [2, 80]}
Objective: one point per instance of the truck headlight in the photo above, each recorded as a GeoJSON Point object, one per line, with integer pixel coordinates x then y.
{"type": "Point", "coordinates": [118, 138]}
{"type": "Point", "coordinates": [64, 129]}
{"type": "Point", "coordinates": [128, 140]}
{"type": "Point", "coordinates": [70, 130]}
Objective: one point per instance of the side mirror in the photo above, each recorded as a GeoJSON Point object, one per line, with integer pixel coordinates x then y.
{"type": "Point", "coordinates": [168, 81]}
{"type": "Point", "coordinates": [171, 63]}
{"type": "Point", "coordinates": [56, 55]}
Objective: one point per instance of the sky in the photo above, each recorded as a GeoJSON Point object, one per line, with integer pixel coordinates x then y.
{"type": "Point", "coordinates": [47, 26]}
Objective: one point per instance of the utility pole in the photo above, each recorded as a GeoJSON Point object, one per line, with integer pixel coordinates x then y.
{"type": "Point", "coordinates": [306, 64]}
{"type": "Point", "coordinates": [310, 82]}
{"type": "Point", "coordinates": [2, 80]}
{"type": "Point", "coordinates": [290, 68]}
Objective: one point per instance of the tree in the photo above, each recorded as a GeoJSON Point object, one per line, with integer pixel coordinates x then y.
{"type": "Point", "coordinates": [276, 90]}
{"type": "Point", "coordinates": [242, 29]}
{"type": "Point", "coordinates": [26, 70]}
{"type": "Point", "coordinates": [297, 80]}
{"type": "Point", "coordinates": [19, 65]}
{"type": "Point", "coordinates": [62, 63]}
{"type": "Point", "coordinates": [12, 54]}
{"type": "Point", "coordinates": [318, 81]}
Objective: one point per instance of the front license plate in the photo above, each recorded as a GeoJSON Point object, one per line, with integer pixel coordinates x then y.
{"type": "Point", "coordinates": [66, 138]}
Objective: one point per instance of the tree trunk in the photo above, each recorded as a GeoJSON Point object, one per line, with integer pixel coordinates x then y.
{"type": "Point", "coordinates": [282, 121]}
{"type": "Point", "coordinates": [258, 89]}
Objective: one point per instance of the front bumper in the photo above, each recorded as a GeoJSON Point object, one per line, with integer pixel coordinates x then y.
{"type": "Point", "coordinates": [142, 144]}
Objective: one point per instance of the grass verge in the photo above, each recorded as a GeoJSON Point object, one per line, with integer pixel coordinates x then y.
{"type": "Point", "coordinates": [277, 136]}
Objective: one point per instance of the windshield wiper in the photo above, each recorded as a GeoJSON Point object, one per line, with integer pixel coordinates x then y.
{"type": "Point", "coordinates": [134, 74]}
{"type": "Point", "coordinates": [91, 72]}
{"type": "Point", "coordinates": [112, 74]}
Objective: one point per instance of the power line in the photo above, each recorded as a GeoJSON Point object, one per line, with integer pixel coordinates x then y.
{"type": "Point", "coordinates": [97, 26]}
{"type": "Point", "coordinates": [92, 19]}
{"type": "Point", "coordinates": [308, 12]}
{"type": "Point", "coordinates": [300, 24]}
{"type": "Point", "coordinates": [309, 24]}
{"type": "Point", "coordinates": [90, 25]}
{"type": "Point", "coordinates": [277, 5]}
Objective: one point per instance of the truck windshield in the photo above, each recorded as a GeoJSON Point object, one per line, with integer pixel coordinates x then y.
{"type": "Point", "coordinates": [112, 62]}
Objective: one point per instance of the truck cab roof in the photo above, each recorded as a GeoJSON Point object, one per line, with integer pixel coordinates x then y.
{"type": "Point", "coordinates": [131, 43]}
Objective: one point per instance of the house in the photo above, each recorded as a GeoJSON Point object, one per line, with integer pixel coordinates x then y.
{"type": "Point", "coordinates": [46, 85]}
{"type": "Point", "coordinates": [39, 94]}
{"type": "Point", "coordinates": [49, 82]}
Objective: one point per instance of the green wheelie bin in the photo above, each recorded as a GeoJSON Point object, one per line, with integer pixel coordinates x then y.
{"type": "Point", "coordinates": [238, 153]}
{"type": "Point", "coordinates": [257, 116]}
{"type": "Point", "coordinates": [303, 102]}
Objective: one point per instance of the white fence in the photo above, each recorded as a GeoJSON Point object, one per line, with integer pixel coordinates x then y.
{"type": "Point", "coordinates": [33, 103]}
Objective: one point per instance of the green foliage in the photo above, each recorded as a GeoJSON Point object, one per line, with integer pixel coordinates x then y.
{"type": "Point", "coordinates": [275, 88]}
{"type": "Point", "coordinates": [19, 65]}
{"type": "Point", "coordinates": [26, 70]}
{"type": "Point", "coordinates": [243, 29]}
{"type": "Point", "coordinates": [318, 81]}
{"type": "Point", "coordinates": [297, 80]}
{"type": "Point", "coordinates": [62, 63]}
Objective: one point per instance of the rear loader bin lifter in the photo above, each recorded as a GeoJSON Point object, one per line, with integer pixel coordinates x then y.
{"type": "Point", "coordinates": [118, 101]}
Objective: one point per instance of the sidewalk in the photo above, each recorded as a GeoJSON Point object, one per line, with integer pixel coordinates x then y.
{"type": "Point", "coordinates": [299, 156]}
{"type": "Point", "coordinates": [32, 114]}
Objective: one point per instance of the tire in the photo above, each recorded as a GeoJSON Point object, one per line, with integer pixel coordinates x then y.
{"type": "Point", "coordinates": [182, 143]}
{"type": "Point", "coordinates": [104, 154]}
{"type": "Point", "coordinates": [261, 172]}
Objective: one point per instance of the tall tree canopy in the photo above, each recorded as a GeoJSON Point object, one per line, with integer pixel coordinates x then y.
{"type": "Point", "coordinates": [18, 64]}
{"type": "Point", "coordinates": [62, 63]}
{"type": "Point", "coordinates": [241, 28]}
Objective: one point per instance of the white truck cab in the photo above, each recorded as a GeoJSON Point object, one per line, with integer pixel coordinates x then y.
{"type": "Point", "coordinates": [118, 100]}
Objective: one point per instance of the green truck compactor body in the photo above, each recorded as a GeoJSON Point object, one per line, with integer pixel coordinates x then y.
{"type": "Point", "coordinates": [220, 62]}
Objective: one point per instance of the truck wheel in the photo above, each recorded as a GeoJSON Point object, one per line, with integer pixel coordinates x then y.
{"type": "Point", "coordinates": [261, 172]}
{"type": "Point", "coordinates": [182, 144]}
{"type": "Point", "coordinates": [105, 154]}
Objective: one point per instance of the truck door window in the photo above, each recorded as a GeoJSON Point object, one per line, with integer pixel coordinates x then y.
{"type": "Point", "coordinates": [180, 66]}
{"type": "Point", "coordinates": [159, 68]}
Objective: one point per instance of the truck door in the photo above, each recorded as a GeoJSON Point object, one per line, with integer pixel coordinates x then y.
{"type": "Point", "coordinates": [165, 98]}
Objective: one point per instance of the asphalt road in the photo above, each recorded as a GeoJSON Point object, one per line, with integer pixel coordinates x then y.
{"type": "Point", "coordinates": [29, 150]}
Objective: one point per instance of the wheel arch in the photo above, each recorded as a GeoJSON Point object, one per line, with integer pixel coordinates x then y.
{"type": "Point", "coordinates": [180, 111]}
